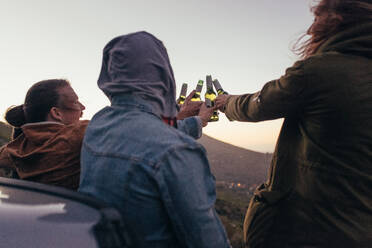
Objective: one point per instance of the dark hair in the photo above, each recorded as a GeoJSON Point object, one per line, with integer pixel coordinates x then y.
{"type": "Point", "coordinates": [331, 17]}
{"type": "Point", "coordinates": [40, 98]}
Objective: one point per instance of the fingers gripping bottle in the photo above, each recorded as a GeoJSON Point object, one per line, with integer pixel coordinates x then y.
{"type": "Point", "coordinates": [199, 88]}
{"type": "Point", "coordinates": [210, 96]}
{"type": "Point", "coordinates": [183, 93]}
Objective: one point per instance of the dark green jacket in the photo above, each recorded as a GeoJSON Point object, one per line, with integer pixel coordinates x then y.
{"type": "Point", "coordinates": [319, 189]}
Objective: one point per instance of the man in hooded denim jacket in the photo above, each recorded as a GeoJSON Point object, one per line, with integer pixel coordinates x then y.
{"type": "Point", "coordinates": [157, 176]}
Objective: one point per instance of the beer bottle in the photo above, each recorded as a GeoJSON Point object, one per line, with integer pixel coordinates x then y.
{"type": "Point", "coordinates": [218, 87]}
{"type": "Point", "coordinates": [199, 87]}
{"type": "Point", "coordinates": [183, 93]}
{"type": "Point", "coordinates": [210, 96]}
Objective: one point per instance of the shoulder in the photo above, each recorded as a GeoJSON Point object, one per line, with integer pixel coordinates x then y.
{"type": "Point", "coordinates": [80, 125]}
{"type": "Point", "coordinates": [74, 133]}
{"type": "Point", "coordinates": [317, 60]}
{"type": "Point", "coordinates": [134, 134]}
{"type": "Point", "coordinates": [177, 146]}
{"type": "Point", "coordinates": [164, 139]}
{"type": "Point", "coordinates": [75, 129]}
{"type": "Point", "coordinates": [323, 62]}
{"type": "Point", "coordinates": [304, 66]}
{"type": "Point", "coordinates": [316, 68]}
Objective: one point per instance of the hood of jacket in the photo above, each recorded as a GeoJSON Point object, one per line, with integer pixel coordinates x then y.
{"type": "Point", "coordinates": [36, 137]}
{"type": "Point", "coordinates": [356, 40]}
{"type": "Point", "coordinates": [138, 64]}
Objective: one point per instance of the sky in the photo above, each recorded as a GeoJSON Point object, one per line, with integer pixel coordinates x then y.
{"type": "Point", "coordinates": [242, 43]}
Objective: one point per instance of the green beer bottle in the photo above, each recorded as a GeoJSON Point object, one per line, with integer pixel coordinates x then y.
{"type": "Point", "coordinates": [199, 87]}
{"type": "Point", "coordinates": [183, 93]}
{"type": "Point", "coordinates": [218, 87]}
{"type": "Point", "coordinates": [210, 96]}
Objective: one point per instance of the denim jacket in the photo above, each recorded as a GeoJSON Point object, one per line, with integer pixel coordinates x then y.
{"type": "Point", "coordinates": [157, 176]}
{"type": "Point", "coordinates": [191, 126]}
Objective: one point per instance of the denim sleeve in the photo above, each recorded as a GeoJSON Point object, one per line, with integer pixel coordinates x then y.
{"type": "Point", "coordinates": [188, 191]}
{"type": "Point", "coordinates": [191, 126]}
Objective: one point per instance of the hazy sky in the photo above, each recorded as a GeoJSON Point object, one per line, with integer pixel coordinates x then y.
{"type": "Point", "coordinates": [243, 43]}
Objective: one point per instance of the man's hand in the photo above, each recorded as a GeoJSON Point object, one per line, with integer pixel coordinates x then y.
{"type": "Point", "coordinates": [189, 108]}
{"type": "Point", "coordinates": [205, 114]}
{"type": "Point", "coordinates": [221, 102]}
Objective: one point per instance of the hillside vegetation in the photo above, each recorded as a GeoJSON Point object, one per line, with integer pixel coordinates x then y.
{"type": "Point", "coordinates": [5, 133]}
{"type": "Point", "coordinates": [230, 163]}
{"type": "Point", "coordinates": [238, 172]}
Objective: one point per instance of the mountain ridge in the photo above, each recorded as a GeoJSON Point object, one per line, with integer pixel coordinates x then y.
{"type": "Point", "coordinates": [231, 163]}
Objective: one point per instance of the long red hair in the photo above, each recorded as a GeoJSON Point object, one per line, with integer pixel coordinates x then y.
{"type": "Point", "coordinates": [331, 17]}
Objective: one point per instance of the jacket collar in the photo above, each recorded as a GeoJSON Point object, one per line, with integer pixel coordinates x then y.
{"type": "Point", "coordinates": [42, 123]}
{"type": "Point", "coordinates": [137, 102]}
{"type": "Point", "coordinates": [356, 40]}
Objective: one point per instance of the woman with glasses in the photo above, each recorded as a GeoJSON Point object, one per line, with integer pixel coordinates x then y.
{"type": "Point", "coordinates": [47, 136]}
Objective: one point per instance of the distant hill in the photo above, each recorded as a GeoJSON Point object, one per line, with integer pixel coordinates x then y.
{"type": "Point", "coordinates": [5, 133]}
{"type": "Point", "coordinates": [230, 163]}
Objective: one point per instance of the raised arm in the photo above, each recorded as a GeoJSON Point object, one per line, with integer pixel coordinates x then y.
{"type": "Point", "coordinates": [278, 98]}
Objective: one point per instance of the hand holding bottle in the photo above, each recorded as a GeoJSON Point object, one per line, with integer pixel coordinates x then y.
{"type": "Point", "coordinates": [189, 108]}
{"type": "Point", "coordinates": [205, 114]}
{"type": "Point", "coordinates": [221, 102]}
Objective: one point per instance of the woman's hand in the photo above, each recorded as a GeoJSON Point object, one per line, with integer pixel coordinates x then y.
{"type": "Point", "coordinates": [221, 102]}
